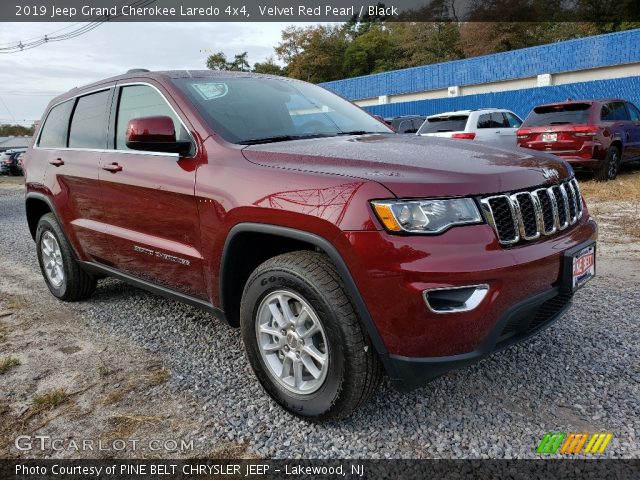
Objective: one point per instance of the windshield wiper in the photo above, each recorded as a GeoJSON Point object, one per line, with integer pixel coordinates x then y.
{"type": "Point", "coordinates": [356, 132]}
{"type": "Point", "coordinates": [278, 138]}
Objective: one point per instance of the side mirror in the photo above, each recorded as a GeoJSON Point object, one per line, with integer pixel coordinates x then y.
{"type": "Point", "coordinates": [155, 134]}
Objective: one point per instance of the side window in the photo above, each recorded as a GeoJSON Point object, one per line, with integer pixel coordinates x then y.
{"type": "Point", "coordinates": [634, 113]}
{"type": "Point", "coordinates": [56, 126]}
{"type": "Point", "coordinates": [492, 120]}
{"type": "Point", "coordinates": [90, 121]}
{"type": "Point", "coordinates": [138, 101]}
{"type": "Point", "coordinates": [614, 111]}
{"type": "Point", "coordinates": [484, 120]}
{"type": "Point", "coordinates": [512, 120]}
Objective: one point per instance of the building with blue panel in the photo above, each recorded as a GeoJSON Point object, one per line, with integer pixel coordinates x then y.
{"type": "Point", "coordinates": [592, 67]}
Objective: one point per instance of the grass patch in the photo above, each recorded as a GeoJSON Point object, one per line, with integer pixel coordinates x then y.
{"type": "Point", "coordinates": [158, 377]}
{"type": "Point", "coordinates": [8, 363]}
{"type": "Point", "coordinates": [50, 400]}
{"type": "Point", "coordinates": [624, 188]}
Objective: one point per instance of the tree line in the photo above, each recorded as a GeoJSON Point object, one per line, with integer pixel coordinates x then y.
{"type": "Point", "coordinates": [322, 53]}
{"type": "Point", "coordinates": [15, 130]}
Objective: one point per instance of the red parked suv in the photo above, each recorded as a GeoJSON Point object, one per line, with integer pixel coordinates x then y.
{"type": "Point", "coordinates": [595, 135]}
{"type": "Point", "coordinates": [341, 249]}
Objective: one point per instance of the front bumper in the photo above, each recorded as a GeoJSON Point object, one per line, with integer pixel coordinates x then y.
{"type": "Point", "coordinates": [393, 271]}
{"type": "Point", "coordinates": [521, 321]}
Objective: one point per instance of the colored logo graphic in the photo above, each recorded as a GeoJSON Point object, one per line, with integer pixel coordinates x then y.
{"type": "Point", "coordinates": [558, 442]}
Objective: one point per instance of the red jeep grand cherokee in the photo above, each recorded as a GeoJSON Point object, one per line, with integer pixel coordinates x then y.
{"type": "Point", "coordinates": [596, 135]}
{"type": "Point", "coordinates": [341, 249]}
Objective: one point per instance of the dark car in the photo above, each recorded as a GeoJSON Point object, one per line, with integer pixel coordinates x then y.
{"type": "Point", "coordinates": [406, 123]}
{"type": "Point", "coordinates": [593, 135]}
{"type": "Point", "coordinates": [9, 163]}
{"type": "Point", "coordinates": [341, 249]}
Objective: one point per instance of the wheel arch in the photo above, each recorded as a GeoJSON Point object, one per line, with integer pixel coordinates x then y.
{"type": "Point", "coordinates": [232, 283]}
{"type": "Point", "coordinates": [37, 205]}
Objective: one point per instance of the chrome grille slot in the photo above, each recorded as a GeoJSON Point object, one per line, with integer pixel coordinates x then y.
{"type": "Point", "coordinates": [560, 197]}
{"type": "Point", "coordinates": [576, 189]}
{"type": "Point", "coordinates": [573, 207]}
{"type": "Point", "coordinates": [548, 208]}
{"type": "Point", "coordinates": [500, 210]}
{"type": "Point", "coordinates": [529, 214]}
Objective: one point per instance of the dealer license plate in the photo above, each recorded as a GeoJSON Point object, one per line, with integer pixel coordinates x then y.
{"type": "Point", "coordinates": [584, 267]}
{"type": "Point", "coordinates": [549, 137]}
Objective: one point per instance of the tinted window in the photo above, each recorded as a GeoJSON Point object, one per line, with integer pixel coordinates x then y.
{"type": "Point", "coordinates": [492, 120]}
{"type": "Point", "coordinates": [54, 130]}
{"type": "Point", "coordinates": [406, 126]}
{"type": "Point", "coordinates": [634, 113]}
{"type": "Point", "coordinates": [614, 111]}
{"type": "Point", "coordinates": [139, 101]}
{"type": "Point", "coordinates": [558, 114]}
{"type": "Point", "coordinates": [512, 120]}
{"type": "Point", "coordinates": [90, 121]}
{"type": "Point", "coordinates": [254, 110]}
{"type": "Point", "coordinates": [453, 123]}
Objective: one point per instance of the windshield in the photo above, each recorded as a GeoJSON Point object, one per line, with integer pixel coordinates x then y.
{"type": "Point", "coordinates": [248, 110]}
{"type": "Point", "coordinates": [453, 123]}
{"type": "Point", "coordinates": [558, 114]}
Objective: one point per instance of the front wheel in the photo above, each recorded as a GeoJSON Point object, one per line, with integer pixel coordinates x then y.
{"type": "Point", "coordinates": [304, 340]}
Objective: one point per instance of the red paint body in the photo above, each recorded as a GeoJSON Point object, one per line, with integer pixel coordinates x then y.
{"type": "Point", "coordinates": [184, 208]}
{"type": "Point", "coordinates": [584, 144]}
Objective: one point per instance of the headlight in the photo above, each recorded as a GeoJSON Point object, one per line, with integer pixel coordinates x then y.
{"type": "Point", "coordinates": [426, 216]}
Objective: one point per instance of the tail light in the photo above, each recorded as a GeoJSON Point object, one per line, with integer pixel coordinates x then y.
{"type": "Point", "coordinates": [464, 135]}
{"type": "Point", "coordinates": [585, 131]}
{"type": "Point", "coordinates": [523, 134]}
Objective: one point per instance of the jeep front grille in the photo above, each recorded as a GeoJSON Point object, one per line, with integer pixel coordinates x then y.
{"type": "Point", "coordinates": [529, 214]}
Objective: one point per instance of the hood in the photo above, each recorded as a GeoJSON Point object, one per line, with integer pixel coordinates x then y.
{"type": "Point", "coordinates": [415, 166]}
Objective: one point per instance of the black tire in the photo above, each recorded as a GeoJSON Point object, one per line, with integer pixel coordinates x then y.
{"type": "Point", "coordinates": [610, 165]}
{"type": "Point", "coordinates": [354, 370]}
{"type": "Point", "coordinates": [76, 284]}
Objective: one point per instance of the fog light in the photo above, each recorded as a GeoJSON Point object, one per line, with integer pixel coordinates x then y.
{"type": "Point", "coordinates": [455, 299]}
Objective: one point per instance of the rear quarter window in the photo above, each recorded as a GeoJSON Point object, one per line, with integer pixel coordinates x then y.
{"type": "Point", "coordinates": [558, 114]}
{"type": "Point", "coordinates": [55, 128]}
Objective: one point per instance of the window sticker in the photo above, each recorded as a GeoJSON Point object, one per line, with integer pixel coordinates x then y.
{"type": "Point", "coordinates": [209, 91]}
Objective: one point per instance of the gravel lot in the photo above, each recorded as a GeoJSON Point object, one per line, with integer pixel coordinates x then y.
{"type": "Point", "coordinates": [582, 374]}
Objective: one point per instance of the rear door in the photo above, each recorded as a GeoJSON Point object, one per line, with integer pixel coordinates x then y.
{"type": "Point", "coordinates": [72, 140]}
{"type": "Point", "coordinates": [150, 204]}
{"type": "Point", "coordinates": [634, 140]}
{"type": "Point", "coordinates": [615, 116]}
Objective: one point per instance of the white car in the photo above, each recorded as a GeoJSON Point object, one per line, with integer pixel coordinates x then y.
{"type": "Point", "coordinates": [493, 125]}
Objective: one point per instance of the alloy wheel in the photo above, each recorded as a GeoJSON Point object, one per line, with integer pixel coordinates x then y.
{"type": "Point", "coordinates": [292, 342]}
{"type": "Point", "coordinates": [52, 259]}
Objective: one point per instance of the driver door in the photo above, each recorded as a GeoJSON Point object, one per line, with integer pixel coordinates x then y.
{"type": "Point", "coordinates": [149, 200]}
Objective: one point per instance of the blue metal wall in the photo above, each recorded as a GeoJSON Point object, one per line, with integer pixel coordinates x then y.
{"type": "Point", "coordinates": [591, 52]}
{"type": "Point", "coordinates": [518, 101]}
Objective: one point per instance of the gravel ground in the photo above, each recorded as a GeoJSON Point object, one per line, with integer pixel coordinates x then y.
{"type": "Point", "coordinates": [581, 374]}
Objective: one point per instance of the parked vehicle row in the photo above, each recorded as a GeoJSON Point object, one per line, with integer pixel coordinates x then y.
{"type": "Point", "coordinates": [592, 135]}
{"type": "Point", "coordinates": [11, 162]}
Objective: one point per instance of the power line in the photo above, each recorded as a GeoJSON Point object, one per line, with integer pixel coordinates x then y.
{"type": "Point", "coordinates": [34, 42]}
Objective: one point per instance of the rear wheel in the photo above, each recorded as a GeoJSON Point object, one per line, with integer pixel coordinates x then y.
{"type": "Point", "coordinates": [610, 166]}
{"type": "Point", "coordinates": [64, 277]}
{"type": "Point", "coordinates": [303, 338]}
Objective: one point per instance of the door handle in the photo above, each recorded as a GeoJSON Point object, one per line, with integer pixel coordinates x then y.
{"type": "Point", "coordinates": [112, 167]}
{"type": "Point", "coordinates": [58, 162]}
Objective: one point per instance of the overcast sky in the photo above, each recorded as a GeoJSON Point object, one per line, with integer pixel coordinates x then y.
{"type": "Point", "coordinates": [29, 79]}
